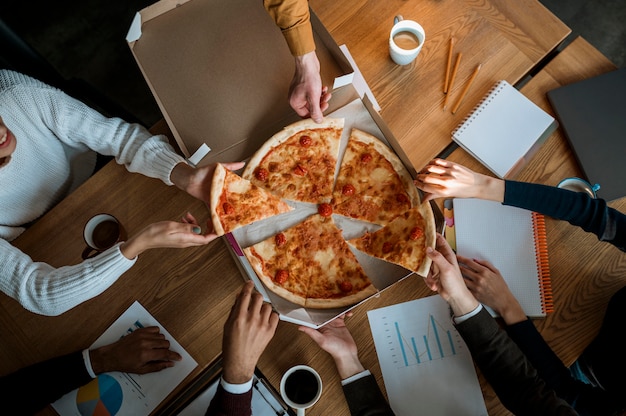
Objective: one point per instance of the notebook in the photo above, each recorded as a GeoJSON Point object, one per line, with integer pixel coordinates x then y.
{"type": "Point", "coordinates": [504, 130]}
{"type": "Point", "coordinates": [514, 241]}
{"type": "Point", "coordinates": [593, 116]}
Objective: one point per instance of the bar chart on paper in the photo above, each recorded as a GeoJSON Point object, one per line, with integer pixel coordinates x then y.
{"type": "Point", "coordinates": [424, 360]}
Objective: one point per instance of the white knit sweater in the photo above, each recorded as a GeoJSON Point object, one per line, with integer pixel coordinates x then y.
{"type": "Point", "coordinates": [56, 138]}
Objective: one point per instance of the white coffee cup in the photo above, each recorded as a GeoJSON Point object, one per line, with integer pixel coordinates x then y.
{"type": "Point", "coordinates": [405, 40]}
{"type": "Point", "coordinates": [301, 387]}
{"type": "Point", "coordinates": [579, 185]}
{"type": "Point", "coordinates": [102, 232]}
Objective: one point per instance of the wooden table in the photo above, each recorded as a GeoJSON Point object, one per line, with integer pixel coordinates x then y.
{"type": "Point", "coordinates": [190, 291]}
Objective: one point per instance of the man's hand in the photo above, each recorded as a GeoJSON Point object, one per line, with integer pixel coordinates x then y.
{"type": "Point", "coordinates": [197, 181]}
{"type": "Point", "coordinates": [306, 95]}
{"type": "Point", "coordinates": [143, 351]}
{"type": "Point", "coordinates": [248, 330]}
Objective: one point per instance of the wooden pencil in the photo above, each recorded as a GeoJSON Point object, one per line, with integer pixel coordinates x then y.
{"type": "Point", "coordinates": [456, 67]}
{"type": "Point", "coordinates": [467, 87]}
{"type": "Point", "coordinates": [445, 83]}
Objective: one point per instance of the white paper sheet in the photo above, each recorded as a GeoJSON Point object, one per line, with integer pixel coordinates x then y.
{"type": "Point", "coordinates": [123, 393]}
{"type": "Point", "coordinates": [426, 365]}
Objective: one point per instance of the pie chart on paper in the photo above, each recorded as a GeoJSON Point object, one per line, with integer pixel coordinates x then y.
{"type": "Point", "coordinates": [101, 397]}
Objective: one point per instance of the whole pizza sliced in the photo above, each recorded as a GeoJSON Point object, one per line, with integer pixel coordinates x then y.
{"type": "Point", "coordinates": [311, 265]}
{"type": "Point", "coordinates": [235, 202]}
{"type": "Point", "coordinates": [404, 240]}
{"type": "Point", "coordinates": [298, 163]}
{"type": "Point", "coordinates": [372, 185]}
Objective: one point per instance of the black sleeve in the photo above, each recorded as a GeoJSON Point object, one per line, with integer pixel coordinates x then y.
{"type": "Point", "coordinates": [229, 404]}
{"type": "Point", "coordinates": [32, 388]}
{"type": "Point", "coordinates": [365, 398]}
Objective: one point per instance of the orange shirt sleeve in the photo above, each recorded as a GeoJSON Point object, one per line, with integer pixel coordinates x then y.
{"type": "Point", "coordinates": [294, 20]}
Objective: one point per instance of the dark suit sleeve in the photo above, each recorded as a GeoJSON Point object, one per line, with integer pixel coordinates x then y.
{"type": "Point", "coordinates": [365, 398]}
{"type": "Point", "coordinates": [229, 404]}
{"type": "Point", "coordinates": [36, 386]}
{"type": "Point", "coordinates": [504, 365]}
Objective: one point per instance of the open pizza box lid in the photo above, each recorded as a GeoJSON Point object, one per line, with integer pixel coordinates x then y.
{"type": "Point", "coordinates": [220, 73]}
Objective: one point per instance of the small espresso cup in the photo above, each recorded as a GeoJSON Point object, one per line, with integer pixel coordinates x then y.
{"type": "Point", "coordinates": [101, 232]}
{"type": "Point", "coordinates": [579, 185]}
{"type": "Point", "coordinates": [405, 40]}
{"type": "Point", "coordinates": [301, 388]}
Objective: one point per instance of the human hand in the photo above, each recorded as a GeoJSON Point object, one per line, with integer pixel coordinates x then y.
{"type": "Point", "coordinates": [247, 331]}
{"type": "Point", "coordinates": [168, 234]}
{"type": "Point", "coordinates": [145, 350]}
{"type": "Point", "coordinates": [197, 181]}
{"type": "Point", "coordinates": [306, 95]}
{"type": "Point", "coordinates": [442, 178]}
{"type": "Point", "coordinates": [335, 339]}
{"type": "Point", "coordinates": [489, 287]}
{"type": "Point", "coordinates": [445, 277]}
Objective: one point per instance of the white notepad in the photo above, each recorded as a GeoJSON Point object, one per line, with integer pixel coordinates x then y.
{"type": "Point", "coordinates": [514, 241]}
{"type": "Point", "coordinates": [504, 130]}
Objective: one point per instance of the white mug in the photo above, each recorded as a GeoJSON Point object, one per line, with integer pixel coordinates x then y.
{"type": "Point", "coordinates": [102, 232]}
{"type": "Point", "coordinates": [301, 388]}
{"type": "Point", "coordinates": [405, 40]}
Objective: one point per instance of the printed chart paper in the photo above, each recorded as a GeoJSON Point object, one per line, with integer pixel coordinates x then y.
{"type": "Point", "coordinates": [425, 363]}
{"type": "Point", "coordinates": [124, 393]}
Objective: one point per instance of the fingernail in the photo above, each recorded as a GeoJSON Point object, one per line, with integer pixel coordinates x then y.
{"type": "Point", "coordinates": [197, 230]}
{"type": "Point", "coordinates": [429, 249]}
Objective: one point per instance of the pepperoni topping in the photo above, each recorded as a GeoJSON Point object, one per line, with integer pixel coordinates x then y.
{"type": "Point", "coordinates": [345, 286]}
{"type": "Point", "coordinates": [306, 141]}
{"type": "Point", "coordinates": [402, 198]}
{"type": "Point", "coordinates": [228, 208]}
{"type": "Point", "coordinates": [261, 174]}
{"type": "Point", "coordinates": [348, 189]}
{"type": "Point", "coordinates": [325, 210]}
{"type": "Point", "coordinates": [366, 158]}
{"type": "Point", "coordinates": [300, 170]}
{"type": "Point", "coordinates": [281, 276]}
{"type": "Point", "coordinates": [387, 247]}
{"type": "Point", "coordinates": [416, 233]}
{"type": "Point", "coordinates": [280, 239]}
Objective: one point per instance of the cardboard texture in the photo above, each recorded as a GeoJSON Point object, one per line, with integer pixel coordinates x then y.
{"type": "Point", "coordinates": [220, 72]}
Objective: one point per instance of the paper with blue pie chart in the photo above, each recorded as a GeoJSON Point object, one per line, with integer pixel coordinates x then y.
{"type": "Point", "coordinates": [118, 393]}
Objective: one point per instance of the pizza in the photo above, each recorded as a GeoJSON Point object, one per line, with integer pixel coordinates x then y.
{"type": "Point", "coordinates": [372, 185]}
{"type": "Point", "coordinates": [311, 265]}
{"type": "Point", "coordinates": [404, 240]}
{"type": "Point", "coordinates": [235, 202]}
{"type": "Point", "coordinates": [298, 163]}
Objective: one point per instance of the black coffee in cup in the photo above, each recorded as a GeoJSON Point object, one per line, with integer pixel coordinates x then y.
{"type": "Point", "coordinates": [106, 234]}
{"type": "Point", "coordinates": [301, 386]}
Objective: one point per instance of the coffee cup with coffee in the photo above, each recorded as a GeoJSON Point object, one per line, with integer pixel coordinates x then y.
{"type": "Point", "coordinates": [101, 232]}
{"type": "Point", "coordinates": [405, 40]}
{"type": "Point", "coordinates": [301, 387]}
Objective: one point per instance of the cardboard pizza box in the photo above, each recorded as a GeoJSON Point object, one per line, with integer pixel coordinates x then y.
{"type": "Point", "coordinates": [220, 72]}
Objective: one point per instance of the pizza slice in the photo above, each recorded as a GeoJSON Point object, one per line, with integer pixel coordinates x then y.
{"type": "Point", "coordinates": [404, 240]}
{"type": "Point", "coordinates": [235, 202]}
{"type": "Point", "coordinates": [298, 163]}
{"type": "Point", "coordinates": [372, 185]}
{"type": "Point", "coordinates": [311, 265]}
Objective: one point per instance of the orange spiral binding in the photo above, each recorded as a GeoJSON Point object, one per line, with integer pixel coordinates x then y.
{"type": "Point", "coordinates": [543, 268]}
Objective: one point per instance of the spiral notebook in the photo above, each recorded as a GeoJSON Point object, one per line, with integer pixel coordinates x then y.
{"type": "Point", "coordinates": [504, 130]}
{"type": "Point", "coordinates": [514, 241]}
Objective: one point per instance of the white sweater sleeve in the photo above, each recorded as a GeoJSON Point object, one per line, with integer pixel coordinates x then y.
{"type": "Point", "coordinates": [46, 290]}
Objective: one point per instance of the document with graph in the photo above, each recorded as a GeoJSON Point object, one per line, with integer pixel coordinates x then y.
{"type": "Point", "coordinates": [125, 393]}
{"type": "Point", "coordinates": [424, 361]}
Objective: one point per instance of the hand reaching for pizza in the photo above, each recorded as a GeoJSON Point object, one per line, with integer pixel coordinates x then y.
{"type": "Point", "coordinates": [306, 95]}
{"type": "Point", "coordinates": [336, 339]}
{"type": "Point", "coordinates": [247, 331]}
{"type": "Point", "coordinates": [197, 181]}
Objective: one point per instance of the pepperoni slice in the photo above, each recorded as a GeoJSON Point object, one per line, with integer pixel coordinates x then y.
{"type": "Point", "coordinates": [300, 170]}
{"type": "Point", "coordinates": [306, 141]}
{"type": "Point", "coordinates": [348, 189]}
{"type": "Point", "coordinates": [345, 286]}
{"type": "Point", "coordinates": [281, 276]}
{"type": "Point", "coordinates": [387, 247]}
{"type": "Point", "coordinates": [261, 174]}
{"type": "Point", "coordinates": [416, 233]}
{"type": "Point", "coordinates": [325, 210]}
{"type": "Point", "coordinates": [228, 208]}
{"type": "Point", "coordinates": [366, 158]}
{"type": "Point", "coordinates": [280, 239]}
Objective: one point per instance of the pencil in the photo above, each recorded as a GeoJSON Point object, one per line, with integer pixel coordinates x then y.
{"type": "Point", "coordinates": [467, 87]}
{"type": "Point", "coordinates": [445, 83]}
{"type": "Point", "coordinates": [456, 67]}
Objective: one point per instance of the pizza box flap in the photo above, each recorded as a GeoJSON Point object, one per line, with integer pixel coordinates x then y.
{"type": "Point", "coordinates": [220, 72]}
